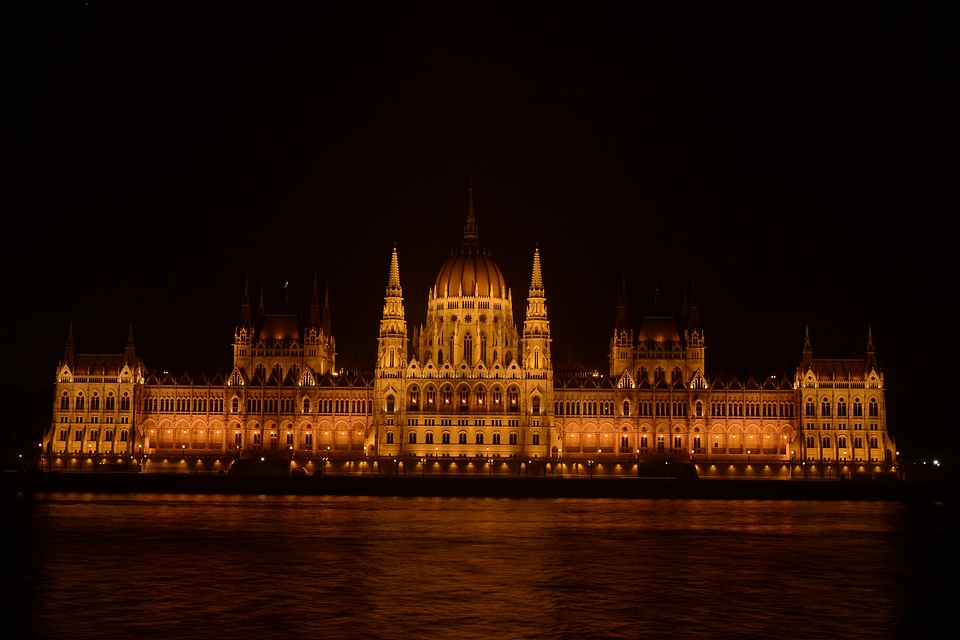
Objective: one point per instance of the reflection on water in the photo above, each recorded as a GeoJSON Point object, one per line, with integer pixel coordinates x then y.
{"type": "Point", "coordinates": [163, 566]}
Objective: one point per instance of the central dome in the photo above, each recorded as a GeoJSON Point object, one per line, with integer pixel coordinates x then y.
{"type": "Point", "coordinates": [470, 272]}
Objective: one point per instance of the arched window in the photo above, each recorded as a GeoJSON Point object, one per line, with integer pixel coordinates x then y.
{"type": "Point", "coordinates": [811, 442]}
{"type": "Point", "coordinates": [825, 408]}
{"type": "Point", "coordinates": [841, 408]}
{"type": "Point", "coordinates": [479, 438]}
{"type": "Point", "coordinates": [857, 408]}
{"type": "Point", "coordinates": [514, 398]}
{"type": "Point", "coordinates": [306, 405]}
{"type": "Point", "coordinates": [390, 403]}
{"type": "Point", "coordinates": [468, 349]}
{"type": "Point", "coordinates": [874, 443]}
{"type": "Point", "coordinates": [462, 437]}
{"type": "Point", "coordinates": [826, 442]}
{"type": "Point", "coordinates": [808, 409]}
{"type": "Point", "coordinates": [874, 408]}
{"type": "Point", "coordinates": [79, 403]}
{"type": "Point", "coordinates": [95, 403]}
{"type": "Point", "coordinates": [125, 403]}
{"type": "Point", "coordinates": [235, 405]}
{"type": "Point", "coordinates": [412, 438]}
{"type": "Point", "coordinates": [414, 396]}
{"type": "Point", "coordinates": [536, 404]}
{"type": "Point", "coordinates": [64, 402]}
{"type": "Point", "coordinates": [626, 407]}
{"type": "Point", "coordinates": [536, 439]}
{"type": "Point", "coordinates": [699, 409]}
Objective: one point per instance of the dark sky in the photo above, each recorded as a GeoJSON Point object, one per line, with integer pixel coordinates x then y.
{"type": "Point", "coordinates": [791, 162]}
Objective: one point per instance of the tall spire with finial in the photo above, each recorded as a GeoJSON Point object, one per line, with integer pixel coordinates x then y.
{"type": "Point", "coordinates": [314, 305]}
{"type": "Point", "coordinates": [245, 317]}
{"type": "Point", "coordinates": [536, 326]}
{"type": "Point", "coordinates": [470, 231]}
{"type": "Point", "coordinates": [392, 355]}
{"type": "Point", "coordinates": [68, 351]}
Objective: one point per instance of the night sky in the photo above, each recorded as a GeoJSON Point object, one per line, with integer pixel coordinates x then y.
{"type": "Point", "coordinates": [789, 162]}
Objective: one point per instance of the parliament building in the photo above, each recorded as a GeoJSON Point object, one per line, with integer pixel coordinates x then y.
{"type": "Point", "coordinates": [469, 391]}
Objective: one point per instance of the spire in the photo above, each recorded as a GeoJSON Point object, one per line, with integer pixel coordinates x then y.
{"type": "Point", "coordinates": [470, 231]}
{"type": "Point", "coordinates": [621, 323]}
{"type": "Point", "coordinates": [807, 361]}
{"type": "Point", "coordinates": [245, 304]}
{"type": "Point", "coordinates": [129, 352]}
{"type": "Point", "coordinates": [314, 304]}
{"type": "Point", "coordinates": [326, 312]}
{"type": "Point", "coordinates": [693, 318]}
{"type": "Point", "coordinates": [68, 353]}
{"type": "Point", "coordinates": [871, 354]}
{"type": "Point", "coordinates": [393, 282]}
{"type": "Point", "coordinates": [536, 281]}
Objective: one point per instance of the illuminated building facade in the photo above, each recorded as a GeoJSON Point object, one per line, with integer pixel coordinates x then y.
{"type": "Point", "coordinates": [469, 390]}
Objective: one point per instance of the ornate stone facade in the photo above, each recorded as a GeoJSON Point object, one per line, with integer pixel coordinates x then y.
{"type": "Point", "coordinates": [469, 391]}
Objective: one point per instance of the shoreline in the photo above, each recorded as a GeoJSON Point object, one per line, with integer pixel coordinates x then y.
{"type": "Point", "coordinates": [21, 483]}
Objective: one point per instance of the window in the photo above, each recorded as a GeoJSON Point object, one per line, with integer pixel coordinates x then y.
{"type": "Point", "coordinates": [390, 403]}
{"type": "Point", "coordinates": [811, 442]}
{"type": "Point", "coordinates": [125, 403]}
{"type": "Point", "coordinates": [78, 436]}
{"type": "Point", "coordinates": [481, 396]}
{"type": "Point", "coordinates": [63, 435]}
{"type": "Point", "coordinates": [64, 402]}
{"type": "Point", "coordinates": [826, 442]}
{"type": "Point", "coordinates": [874, 444]}
{"type": "Point", "coordinates": [462, 437]}
{"type": "Point", "coordinates": [306, 405]}
{"type": "Point", "coordinates": [513, 438]}
{"type": "Point", "coordinates": [95, 403]}
{"type": "Point", "coordinates": [825, 408]}
{"type": "Point", "coordinates": [108, 436]}
{"type": "Point", "coordinates": [857, 408]}
{"type": "Point", "coordinates": [389, 437]}
{"type": "Point", "coordinates": [79, 403]}
{"type": "Point", "coordinates": [289, 439]}
{"type": "Point", "coordinates": [496, 438]}
{"type": "Point", "coordinates": [308, 439]}
{"type": "Point", "coordinates": [445, 438]}
{"type": "Point", "coordinates": [536, 439]}
{"type": "Point", "coordinates": [874, 408]}
{"type": "Point", "coordinates": [429, 437]}
{"type": "Point", "coordinates": [626, 407]}
{"type": "Point", "coordinates": [412, 438]}
{"type": "Point", "coordinates": [479, 438]}
{"type": "Point", "coordinates": [841, 408]}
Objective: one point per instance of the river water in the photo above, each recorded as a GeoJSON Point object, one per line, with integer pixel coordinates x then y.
{"type": "Point", "coordinates": [186, 566]}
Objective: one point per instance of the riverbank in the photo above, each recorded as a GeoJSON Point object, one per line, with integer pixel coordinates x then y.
{"type": "Point", "coordinates": [452, 486]}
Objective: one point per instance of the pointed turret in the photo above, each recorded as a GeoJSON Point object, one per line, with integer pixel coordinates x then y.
{"type": "Point", "coordinates": [471, 232]}
{"type": "Point", "coordinates": [393, 325]}
{"type": "Point", "coordinates": [326, 324]}
{"type": "Point", "coordinates": [536, 327]}
{"type": "Point", "coordinates": [621, 323]}
{"type": "Point", "coordinates": [807, 360]}
{"type": "Point", "coordinates": [621, 345]}
{"type": "Point", "coordinates": [69, 355]}
{"type": "Point", "coordinates": [246, 319]}
{"type": "Point", "coordinates": [130, 355]}
{"type": "Point", "coordinates": [314, 305]}
{"type": "Point", "coordinates": [871, 353]}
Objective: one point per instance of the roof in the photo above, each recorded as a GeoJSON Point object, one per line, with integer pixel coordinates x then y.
{"type": "Point", "coordinates": [658, 329]}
